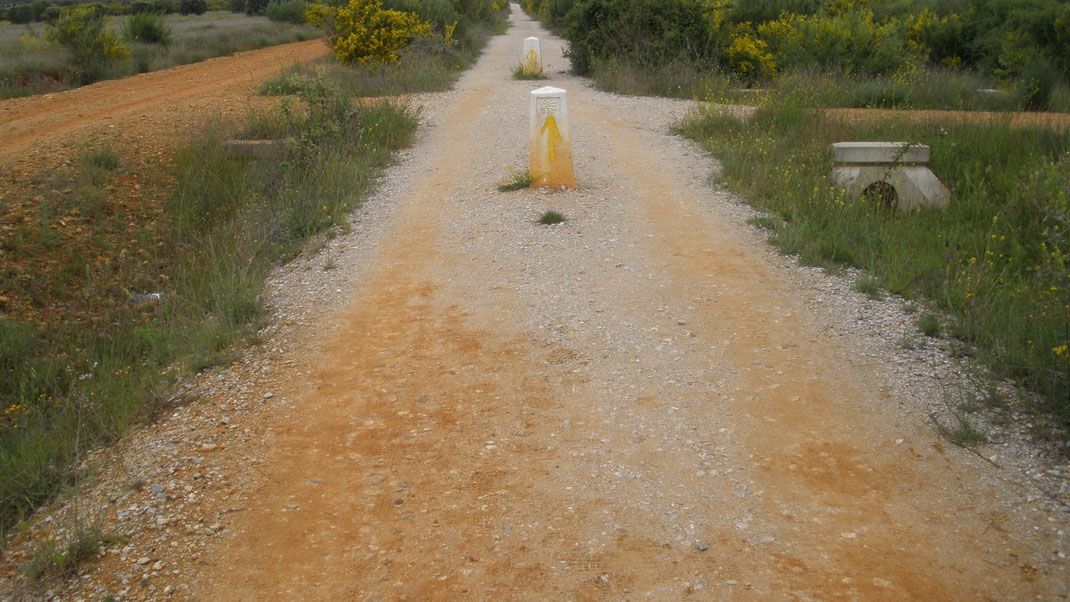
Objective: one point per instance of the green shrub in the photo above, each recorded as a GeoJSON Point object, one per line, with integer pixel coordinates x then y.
{"type": "Point", "coordinates": [193, 7]}
{"type": "Point", "coordinates": [147, 27]}
{"type": "Point", "coordinates": [854, 41]}
{"type": "Point", "coordinates": [142, 6]}
{"type": "Point", "coordinates": [253, 7]}
{"type": "Point", "coordinates": [1036, 86]}
{"type": "Point", "coordinates": [645, 32]}
{"type": "Point", "coordinates": [83, 31]}
{"type": "Point", "coordinates": [51, 14]}
{"type": "Point", "coordinates": [440, 13]}
{"type": "Point", "coordinates": [287, 11]}
{"type": "Point", "coordinates": [23, 13]}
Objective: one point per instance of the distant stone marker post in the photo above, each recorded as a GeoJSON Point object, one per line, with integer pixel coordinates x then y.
{"type": "Point", "coordinates": [550, 159]}
{"type": "Point", "coordinates": [532, 61]}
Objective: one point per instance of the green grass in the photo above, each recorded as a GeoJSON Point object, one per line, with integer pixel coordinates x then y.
{"type": "Point", "coordinates": [518, 180]}
{"type": "Point", "coordinates": [923, 88]}
{"type": "Point", "coordinates": [764, 222]}
{"type": "Point", "coordinates": [929, 325]}
{"type": "Point", "coordinates": [961, 431]}
{"type": "Point", "coordinates": [29, 65]}
{"type": "Point", "coordinates": [549, 218]}
{"type": "Point", "coordinates": [993, 261]}
{"type": "Point", "coordinates": [51, 558]}
{"type": "Point", "coordinates": [70, 387]}
{"type": "Point", "coordinates": [870, 287]}
{"type": "Point", "coordinates": [103, 158]}
{"type": "Point", "coordinates": [147, 28]}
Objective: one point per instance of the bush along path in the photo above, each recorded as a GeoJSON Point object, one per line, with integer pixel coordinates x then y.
{"type": "Point", "coordinates": [454, 400]}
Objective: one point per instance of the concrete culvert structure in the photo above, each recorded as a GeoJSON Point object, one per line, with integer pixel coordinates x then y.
{"type": "Point", "coordinates": [896, 174]}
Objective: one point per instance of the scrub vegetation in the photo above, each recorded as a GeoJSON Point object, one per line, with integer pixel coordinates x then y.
{"type": "Point", "coordinates": [84, 44]}
{"type": "Point", "coordinates": [954, 54]}
{"type": "Point", "coordinates": [116, 283]}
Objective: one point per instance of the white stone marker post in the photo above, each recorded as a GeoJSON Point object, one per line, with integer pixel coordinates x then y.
{"type": "Point", "coordinates": [532, 60]}
{"type": "Point", "coordinates": [550, 158]}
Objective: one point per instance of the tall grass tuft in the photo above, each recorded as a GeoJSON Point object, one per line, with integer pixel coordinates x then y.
{"type": "Point", "coordinates": [147, 27]}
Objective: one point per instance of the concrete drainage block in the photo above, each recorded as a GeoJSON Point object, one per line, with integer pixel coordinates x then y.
{"type": "Point", "coordinates": [894, 173]}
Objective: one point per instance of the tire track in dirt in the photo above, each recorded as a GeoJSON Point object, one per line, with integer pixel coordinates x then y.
{"type": "Point", "coordinates": [459, 436]}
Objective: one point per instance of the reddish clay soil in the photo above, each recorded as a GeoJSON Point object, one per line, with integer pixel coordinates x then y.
{"type": "Point", "coordinates": [42, 184]}
{"type": "Point", "coordinates": [147, 111]}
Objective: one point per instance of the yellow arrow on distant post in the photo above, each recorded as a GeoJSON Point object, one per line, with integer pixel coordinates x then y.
{"type": "Point", "coordinates": [555, 135]}
{"type": "Point", "coordinates": [532, 55]}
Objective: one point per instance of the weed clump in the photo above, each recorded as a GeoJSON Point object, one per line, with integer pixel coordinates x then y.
{"type": "Point", "coordinates": [147, 27]}
{"type": "Point", "coordinates": [870, 287]}
{"type": "Point", "coordinates": [929, 325]}
{"type": "Point", "coordinates": [518, 180]}
{"type": "Point", "coordinates": [524, 72]}
{"type": "Point", "coordinates": [550, 218]}
{"type": "Point", "coordinates": [62, 560]}
{"type": "Point", "coordinates": [104, 158]}
{"type": "Point", "coordinates": [961, 432]}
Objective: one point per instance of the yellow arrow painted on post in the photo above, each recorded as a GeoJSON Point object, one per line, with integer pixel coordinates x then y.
{"type": "Point", "coordinates": [555, 135]}
{"type": "Point", "coordinates": [532, 55]}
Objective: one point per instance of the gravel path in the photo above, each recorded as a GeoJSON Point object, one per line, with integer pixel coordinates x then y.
{"type": "Point", "coordinates": [642, 402]}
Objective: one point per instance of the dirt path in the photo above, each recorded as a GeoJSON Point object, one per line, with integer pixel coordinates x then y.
{"type": "Point", "coordinates": [145, 111]}
{"type": "Point", "coordinates": [643, 402]}
{"type": "Point", "coordinates": [636, 403]}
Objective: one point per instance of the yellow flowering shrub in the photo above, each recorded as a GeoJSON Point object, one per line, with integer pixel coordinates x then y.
{"type": "Point", "coordinates": [316, 14]}
{"type": "Point", "coordinates": [854, 41]}
{"type": "Point", "coordinates": [33, 44]}
{"type": "Point", "coordinates": [750, 57]}
{"type": "Point", "coordinates": [941, 39]}
{"type": "Point", "coordinates": [364, 32]}
{"type": "Point", "coordinates": [83, 31]}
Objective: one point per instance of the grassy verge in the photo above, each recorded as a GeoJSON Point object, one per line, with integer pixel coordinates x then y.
{"type": "Point", "coordinates": [921, 88]}
{"type": "Point", "coordinates": [84, 351]}
{"type": "Point", "coordinates": [30, 65]}
{"type": "Point", "coordinates": [426, 66]}
{"type": "Point", "coordinates": [995, 261]}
